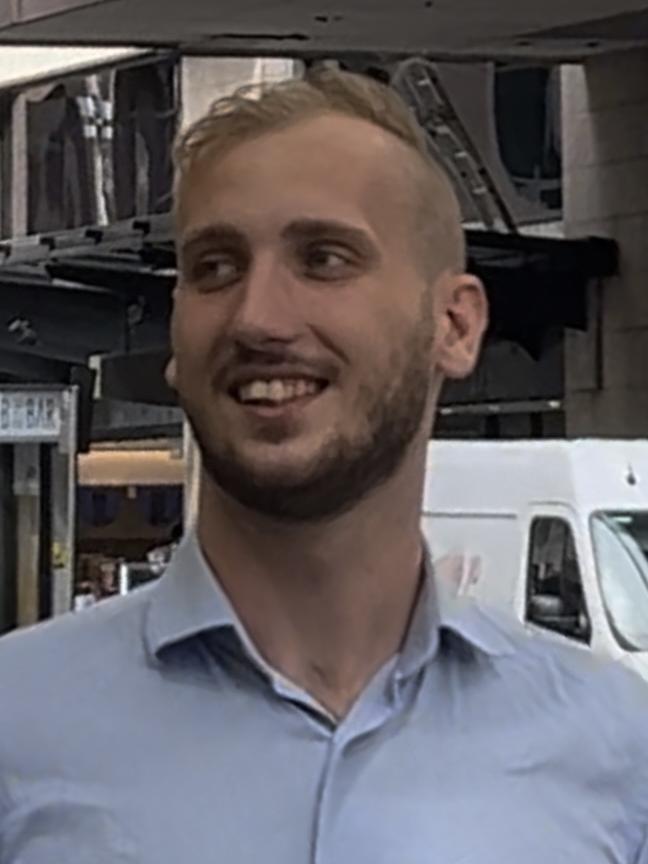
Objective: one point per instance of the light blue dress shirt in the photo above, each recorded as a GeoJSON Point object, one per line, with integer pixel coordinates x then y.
{"type": "Point", "coordinates": [147, 730]}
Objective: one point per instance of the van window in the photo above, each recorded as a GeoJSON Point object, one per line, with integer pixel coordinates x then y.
{"type": "Point", "coordinates": [555, 597]}
{"type": "Point", "coordinates": [621, 552]}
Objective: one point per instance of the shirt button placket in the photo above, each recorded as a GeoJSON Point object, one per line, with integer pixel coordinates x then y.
{"type": "Point", "coordinates": [322, 809]}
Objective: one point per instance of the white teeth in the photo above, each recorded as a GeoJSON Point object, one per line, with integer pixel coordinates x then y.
{"type": "Point", "coordinates": [256, 390]}
{"type": "Point", "coordinates": [276, 390]}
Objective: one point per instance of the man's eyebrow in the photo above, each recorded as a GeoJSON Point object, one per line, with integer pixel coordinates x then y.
{"type": "Point", "coordinates": [316, 229]}
{"type": "Point", "coordinates": [210, 235]}
{"type": "Point", "coordinates": [301, 229]}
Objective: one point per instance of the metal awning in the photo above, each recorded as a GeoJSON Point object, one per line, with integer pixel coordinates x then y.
{"type": "Point", "coordinates": [69, 296]}
{"type": "Point", "coordinates": [439, 28]}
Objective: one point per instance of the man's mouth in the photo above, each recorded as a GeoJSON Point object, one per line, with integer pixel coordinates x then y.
{"type": "Point", "coordinates": [276, 391]}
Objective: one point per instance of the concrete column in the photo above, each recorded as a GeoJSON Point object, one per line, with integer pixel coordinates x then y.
{"type": "Point", "coordinates": [27, 489]}
{"type": "Point", "coordinates": [16, 219]}
{"type": "Point", "coordinates": [605, 134]}
{"type": "Point", "coordinates": [203, 80]}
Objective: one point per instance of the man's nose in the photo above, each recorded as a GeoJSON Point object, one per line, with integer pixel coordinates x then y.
{"type": "Point", "coordinates": [269, 308]}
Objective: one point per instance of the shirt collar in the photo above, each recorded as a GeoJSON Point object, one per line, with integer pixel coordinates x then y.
{"type": "Point", "coordinates": [440, 609]}
{"type": "Point", "coordinates": [188, 600]}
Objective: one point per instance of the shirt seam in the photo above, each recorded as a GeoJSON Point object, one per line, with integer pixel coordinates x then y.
{"type": "Point", "coordinates": [643, 847]}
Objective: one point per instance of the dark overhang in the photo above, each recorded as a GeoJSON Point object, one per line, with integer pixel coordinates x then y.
{"type": "Point", "coordinates": [561, 32]}
{"type": "Point", "coordinates": [106, 291]}
{"type": "Point", "coordinates": [91, 291]}
{"type": "Point", "coordinates": [538, 283]}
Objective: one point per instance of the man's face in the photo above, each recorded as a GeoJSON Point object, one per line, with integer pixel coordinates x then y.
{"type": "Point", "coordinates": [304, 327]}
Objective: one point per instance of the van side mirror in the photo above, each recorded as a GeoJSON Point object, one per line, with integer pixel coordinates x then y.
{"type": "Point", "coordinates": [548, 611]}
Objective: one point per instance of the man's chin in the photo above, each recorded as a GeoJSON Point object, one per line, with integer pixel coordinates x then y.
{"type": "Point", "coordinates": [276, 468]}
{"type": "Point", "coordinates": [285, 447]}
{"type": "Point", "coordinates": [282, 497]}
{"type": "Point", "coordinates": [284, 486]}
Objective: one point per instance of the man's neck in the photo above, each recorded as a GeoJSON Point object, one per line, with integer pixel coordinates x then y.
{"type": "Point", "coordinates": [326, 605]}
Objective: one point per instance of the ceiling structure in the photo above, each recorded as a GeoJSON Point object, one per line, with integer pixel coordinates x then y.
{"type": "Point", "coordinates": [68, 297]}
{"type": "Point", "coordinates": [25, 64]}
{"type": "Point", "coordinates": [73, 295]}
{"type": "Point", "coordinates": [443, 29]}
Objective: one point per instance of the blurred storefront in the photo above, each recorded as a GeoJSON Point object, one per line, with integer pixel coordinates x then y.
{"type": "Point", "coordinates": [88, 264]}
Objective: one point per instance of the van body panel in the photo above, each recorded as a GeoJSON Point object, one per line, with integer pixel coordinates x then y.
{"type": "Point", "coordinates": [497, 516]}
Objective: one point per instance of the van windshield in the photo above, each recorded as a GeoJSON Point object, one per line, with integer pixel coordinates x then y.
{"type": "Point", "coordinates": [621, 551]}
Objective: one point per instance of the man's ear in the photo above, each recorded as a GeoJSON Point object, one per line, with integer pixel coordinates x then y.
{"type": "Point", "coordinates": [463, 321]}
{"type": "Point", "coordinates": [171, 373]}
{"type": "Point", "coordinates": [171, 369]}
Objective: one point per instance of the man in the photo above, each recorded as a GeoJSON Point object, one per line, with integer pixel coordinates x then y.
{"type": "Point", "coordinates": [296, 688]}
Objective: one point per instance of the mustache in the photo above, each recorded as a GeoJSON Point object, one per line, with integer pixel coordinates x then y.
{"type": "Point", "coordinates": [242, 357]}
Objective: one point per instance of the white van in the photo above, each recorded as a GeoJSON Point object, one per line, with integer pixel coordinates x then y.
{"type": "Point", "coordinates": [555, 532]}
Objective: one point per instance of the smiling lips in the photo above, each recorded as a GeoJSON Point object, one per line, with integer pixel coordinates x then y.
{"type": "Point", "coordinates": [277, 391]}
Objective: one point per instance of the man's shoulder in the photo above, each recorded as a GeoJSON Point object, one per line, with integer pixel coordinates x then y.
{"type": "Point", "coordinates": [66, 681]}
{"type": "Point", "coordinates": [549, 670]}
{"type": "Point", "coordinates": [575, 715]}
{"type": "Point", "coordinates": [75, 644]}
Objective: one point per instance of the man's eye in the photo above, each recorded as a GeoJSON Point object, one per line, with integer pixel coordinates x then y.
{"type": "Point", "coordinates": [215, 270]}
{"type": "Point", "coordinates": [324, 261]}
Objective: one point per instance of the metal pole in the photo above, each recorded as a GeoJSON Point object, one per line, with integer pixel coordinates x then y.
{"type": "Point", "coordinates": [64, 507]}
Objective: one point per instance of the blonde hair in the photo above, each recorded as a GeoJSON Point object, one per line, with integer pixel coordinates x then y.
{"type": "Point", "coordinates": [256, 109]}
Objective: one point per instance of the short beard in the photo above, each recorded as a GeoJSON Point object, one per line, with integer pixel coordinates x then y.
{"type": "Point", "coordinates": [347, 470]}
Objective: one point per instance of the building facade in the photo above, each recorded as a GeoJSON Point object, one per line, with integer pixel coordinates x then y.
{"type": "Point", "coordinates": [87, 262]}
